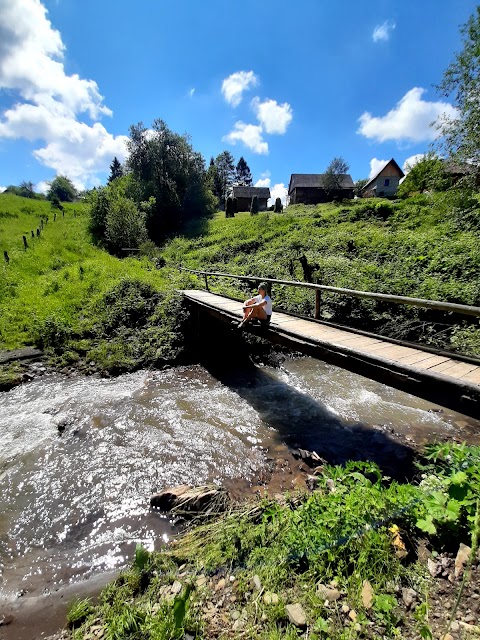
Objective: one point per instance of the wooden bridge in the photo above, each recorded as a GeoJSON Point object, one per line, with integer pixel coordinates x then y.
{"type": "Point", "coordinates": [449, 380]}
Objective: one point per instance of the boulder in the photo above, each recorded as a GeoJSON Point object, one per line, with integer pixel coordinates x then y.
{"type": "Point", "coordinates": [187, 500]}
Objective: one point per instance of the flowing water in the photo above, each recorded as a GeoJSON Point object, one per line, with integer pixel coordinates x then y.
{"type": "Point", "coordinates": [75, 502]}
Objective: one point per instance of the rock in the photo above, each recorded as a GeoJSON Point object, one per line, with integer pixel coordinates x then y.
{"type": "Point", "coordinates": [357, 627]}
{"type": "Point", "coordinates": [267, 598]}
{"type": "Point", "coordinates": [447, 636]}
{"type": "Point", "coordinates": [367, 594]}
{"type": "Point", "coordinates": [462, 558]}
{"type": "Point", "coordinates": [345, 608]}
{"type": "Point", "coordinates": [5, 620]}
{"type": "Point", "coordinates": [352, 614]}
{"type": "Point", "coordinates": [434, 568]}
{"type": "Point", "coordinates": [409, 596]}
{"type": "Point", "coordinates": [176, 587]}
{"type": "Point", "coordinates": [220, 584]}
{"type": "Point", "coordinates": [326, 593]}
{"type": "Point", "coordinates": [189, 500]}
{"type": "Point", "coordinates": [238, 624]}
{"type": "Point", "coordinates": [201, 581]}
{"type": "Point", "coordinates": [256, 583]}
{"type": "Point", "coordinates": [232, 578]}
{"type": "Point", "coordinates": [296, 614]}
{"type": "Point", "coordinates": [235, 615]}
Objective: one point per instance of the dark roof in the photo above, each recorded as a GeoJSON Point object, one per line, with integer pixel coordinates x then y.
{"type": "Point", "coordinates": [249, 192]}
{"type": "Point", "coordinates": [379, 172]}
{"type": "Point", "coordinates": [457, 168]}
{"type": "Point", "coordinates": [317, 180]}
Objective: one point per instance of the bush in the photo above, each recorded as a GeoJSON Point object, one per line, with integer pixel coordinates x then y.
{"type": "Point", "coordinates": [254, 206]}
{"type": "Point", "coordinates": [229, 208]}
{"type": "Point", "coordinates": [278, 205]}
{"type": "Point", "coordinates": [125, 225]}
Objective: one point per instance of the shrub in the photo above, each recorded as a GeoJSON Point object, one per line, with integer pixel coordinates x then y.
{"type": "Point", "coordinates": [254, 206]}
{"type": "Point", "coordinates": [125, 225]}
{"type": "Point", "coordinates": [229, 208]}
{"type": "Point", "coordinates": [278, 205]}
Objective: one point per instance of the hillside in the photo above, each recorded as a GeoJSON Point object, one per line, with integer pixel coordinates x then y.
{"type": "Point", "coordinates": [425, 246]}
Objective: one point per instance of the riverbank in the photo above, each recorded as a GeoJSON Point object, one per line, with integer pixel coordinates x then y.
{"type": "Point", "coordinates": [357, 557]}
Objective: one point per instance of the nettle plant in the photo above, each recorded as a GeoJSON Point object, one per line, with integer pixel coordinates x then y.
{"type": "Point", "coordinates": [451, 486]}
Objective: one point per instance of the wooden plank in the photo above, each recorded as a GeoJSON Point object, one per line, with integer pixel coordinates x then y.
{"type": "Point", "coordinates": [414, 358]}
{"type": "Point", "coordinates": [442, 368]}
{"type": "Point", "coordinates": [473, 376]}
{"type": "Point", "coordinates": [392, 351]}
{"type": "Point", "coordinates": [459, 369]}
{"type": "Point", "coordinates": [430, 362]}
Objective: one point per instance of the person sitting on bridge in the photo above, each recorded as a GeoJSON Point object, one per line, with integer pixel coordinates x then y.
{"type": "Point", "coordinates": [257, 308]}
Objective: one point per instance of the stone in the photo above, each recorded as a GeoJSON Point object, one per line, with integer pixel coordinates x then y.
{"type": "Point", "coordinates": [409, 596]}
{"type": "Point", "coordinates": [296, 614]}
{"type": "Point", "coordinates": [235, 615]}
{"type": "Point", "coordinates": [176, 587]}
{"type": "Point", "coordinates": [345, 608]}
{"type": "Point", "coordinates": [367, 594]}
{"type": "Point", "coordinates": [274, 597]}
{"type": "Point", "coordinates": [326, 593]}
{"type": "Point", "coordinates": [357, 627]}
{"type": "Point", "coordinates": [433, 568]}
{"type": "Point", "coordinates": [447, 636]}
{"type": "Point", "coordinates": [201, 581]}
{"type": "Point", "coordinates": [220, 584]}
{"type": "Point", "coordinates": [352, 614]}
{"type": "Point", "coordinates": [462, 558]}
{"type": "Point", "coordinates": [267, 598]}
{"type": "Point", "coordinates": [256, 583]}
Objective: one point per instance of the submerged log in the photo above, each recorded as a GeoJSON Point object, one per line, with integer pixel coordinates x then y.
{"type": "Point", "coordinates": [187, 500]}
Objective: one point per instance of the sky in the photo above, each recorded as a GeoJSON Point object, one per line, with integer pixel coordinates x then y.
{"type": "Point", "coordinates": [287, 85]}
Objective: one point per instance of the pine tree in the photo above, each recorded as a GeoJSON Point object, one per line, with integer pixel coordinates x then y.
{"type": "Point", "coordinates": [243, 175]}
{"type": "Point", "coordinates": [116, 170]}
{"type": "Point", "coordinates": [225, 165]}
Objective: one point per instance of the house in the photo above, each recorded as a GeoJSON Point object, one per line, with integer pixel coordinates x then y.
{"type": "Point", "coordinates": [312, 188]}
{"type": "Point", "coordinates": [385, 183]}
{"type": "Point", "coordinates": [244, 197]}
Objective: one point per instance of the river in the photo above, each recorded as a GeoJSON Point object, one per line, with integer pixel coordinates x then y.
{"type": "Point", "coordinates": [80, 456]}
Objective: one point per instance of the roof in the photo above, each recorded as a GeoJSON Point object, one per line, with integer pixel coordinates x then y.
{"type": "Point", "coordinates": [392, 161]}
{"type": "Point", "coordinates": [317, 181]}
{"type": "Point", "coordinates": [249, 192]}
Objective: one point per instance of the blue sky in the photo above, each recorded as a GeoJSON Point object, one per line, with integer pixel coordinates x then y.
{"type": "Point", "coordinates": [288, 85]}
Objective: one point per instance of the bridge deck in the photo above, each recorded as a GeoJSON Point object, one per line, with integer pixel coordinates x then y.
{"type": "Point", "coordinates": [385, 354]}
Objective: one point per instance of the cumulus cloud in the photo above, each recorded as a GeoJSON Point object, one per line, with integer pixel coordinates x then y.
{"type": "Point", "coordinates": [382, 32]}
{"type": "Point", "coordinates": [248, 134]}
{"type": "Point", "coordinates": [2, 189]}
{"type": "Point", "coordinates": [277, 191]}
{"type": "Point", "coordinates": [409, 120]}
{"type": "Point", "coordinates": [50, 103]}
{"type": "Point", "coordinates": [412, 161]}
{"type": "Point", "coordinates": [234, 86]}
{"type": "Point", "coordinates": [273, 117]}
{"type": "Point", "coordinates": [376, 166]}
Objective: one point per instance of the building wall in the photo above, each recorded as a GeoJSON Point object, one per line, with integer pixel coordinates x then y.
{"type": "Point", "coordinates": [386, 191]}
{"type": "Point", "coordinates": [243, 204]}
{"type": "Point", "coordinates": [316, 195]}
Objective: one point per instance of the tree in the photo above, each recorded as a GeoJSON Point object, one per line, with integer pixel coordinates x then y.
{"type": "Point", "coordinates": [125, 225]}
{"type": "Point", "coordinates": [243, 175]}
{"type": "Point", "coordinates": [461, 82]}
{"type": "Point", "coordinates": [334, 173]}
{"type": "Point", "coordinates": [225, 164]}
{"type": "Point", "coordinates": [62, 187]}
{"type": "Point", "coordinates": [164, 165]}
{"type": "Point", "coordinates": [278, 205]}
{"type": "Point", "coordinates": [254, 206]}
{"type": "Point", "coordinates": [358, 186]}
{"type": "Point", "coordinates": [116, 170]}
{"type": "Point", "coordinates": [426, 175]}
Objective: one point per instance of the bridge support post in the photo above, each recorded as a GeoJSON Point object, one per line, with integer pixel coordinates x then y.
{"type": "Point", "coordinates": [318, 302]}
{"type": "Point", "coordinates": [206, 283]}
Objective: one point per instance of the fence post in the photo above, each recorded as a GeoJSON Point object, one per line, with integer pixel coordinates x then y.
{"type": "Point", "coordinates": [206, 282]}
{"type": "Point", "coordinates": [318, 301]}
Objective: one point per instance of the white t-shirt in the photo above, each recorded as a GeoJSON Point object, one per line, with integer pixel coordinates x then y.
{"type": "Point", "coordinates": [268, 300]}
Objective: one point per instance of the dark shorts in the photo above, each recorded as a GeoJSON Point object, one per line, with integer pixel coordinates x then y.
{"type": "Point", "coordinates": [267, 320]}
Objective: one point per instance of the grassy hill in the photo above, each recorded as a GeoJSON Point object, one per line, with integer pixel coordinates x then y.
{"type": "Point", "coordinates": [426, 246]}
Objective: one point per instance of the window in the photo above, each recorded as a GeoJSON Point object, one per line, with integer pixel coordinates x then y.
{"type": "Point", "coordinates": [387, 182]}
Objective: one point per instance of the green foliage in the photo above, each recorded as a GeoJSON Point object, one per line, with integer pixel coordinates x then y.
{"type": "Point", "coordinates": [62, 188]}
{"type": "Point", "coordinates": [254, 206]}
{"type": "Point", "coordinates": [125, 225]}
{"type": "Point", "coordinates": [78, 612]}
{"type": "Point", "coordinates": [243, 175]}
{"type": "Point", "coordinates": [142, 556]}
{"type": "Point", "coordinates": [426, 175]}
{"type": "Point", "coordinates": [278, 205]}
{"type": "Point", "coordinates": [116, 170]}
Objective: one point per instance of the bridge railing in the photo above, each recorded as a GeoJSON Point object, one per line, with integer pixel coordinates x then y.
{"type": "Point", "coordinates": [452, 307]}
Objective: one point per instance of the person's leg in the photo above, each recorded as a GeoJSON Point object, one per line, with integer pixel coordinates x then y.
{"type": "Point", "coordinates": [253, 313]}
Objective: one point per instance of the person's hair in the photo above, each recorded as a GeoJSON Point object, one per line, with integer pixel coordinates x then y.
{"type": "Point", "coordinates": [263, 286]}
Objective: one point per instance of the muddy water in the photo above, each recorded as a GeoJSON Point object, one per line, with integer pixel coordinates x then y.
{"type": "Point", "coordinates": [73, 503]}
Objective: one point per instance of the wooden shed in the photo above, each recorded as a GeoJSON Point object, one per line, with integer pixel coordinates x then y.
{"type": "Point", "coordinates": [312, 188]}
{"type": "Point", "coordinates": [244, 197]}
{"type": "Point", "coordinates": [385, 183]}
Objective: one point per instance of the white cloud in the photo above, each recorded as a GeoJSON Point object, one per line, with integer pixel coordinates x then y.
{"type": "Point", "coordinates": [2, 189]}
{"type": "Point", "coordinates": [278, 191]}
{"type": "Point", "coordinates": [382, 32]}
{"type": "Point", "coordinates": [191, 92]}
{"type": "Point", "coordinates": [250, 135]}
{"type": "Point", "coordinates": [234, 86]}
{"type": "Point", "coordinates": [273, 117]}
{"type": "Point", "coordinates": [412, 161]}
{"type": "Point", "coordinates": [376, 166]}
{"type": "Point", "coordinates": [409, 120]}
{"type": "Point", "coordinates": [49, 101]}
{"type": "Point", "coordinates": [42, 187]}
{"type": "Point", "coordinates": [264, 182]}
